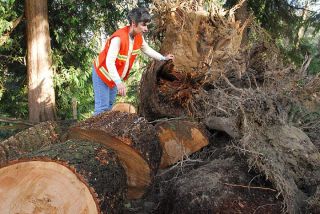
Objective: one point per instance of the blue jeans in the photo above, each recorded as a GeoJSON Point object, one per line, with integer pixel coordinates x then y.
{"type": "Point", "coordinates": [104, 96]}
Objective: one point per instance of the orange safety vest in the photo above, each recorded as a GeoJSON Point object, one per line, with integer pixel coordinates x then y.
{"type": "Point", "coordinates": [100, 62]}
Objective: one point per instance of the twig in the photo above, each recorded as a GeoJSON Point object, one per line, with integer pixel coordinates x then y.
{"type": "Point", "coordinates": [250, 187]}
{"type": "Point", "coordinates": [168, 119]}
{"type": "Point", "coordinates": [253, 179]}
{"type": "Point", "coordinates": [181, 164]}
{"type": "Point", "coordinates": [245, 150]}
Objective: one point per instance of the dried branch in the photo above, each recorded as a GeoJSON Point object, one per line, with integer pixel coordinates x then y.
{"type": "Point", "coordinates": [250, 187]}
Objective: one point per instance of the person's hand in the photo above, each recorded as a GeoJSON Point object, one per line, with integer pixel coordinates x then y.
{"type": "Point", "coordinates": [122, 89]}
{"type": "Point", "coordinates": [169, 56]}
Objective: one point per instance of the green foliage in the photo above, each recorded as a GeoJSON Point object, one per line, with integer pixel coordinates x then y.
{"type": "Point", "coordinates": [75, 37]}
{"type": "Point", "coordinates": [76, 42]}
{"type": "Point", "coordinates": [308, 47]}
{"type": "Point", "coordinates": [13, 91]}
{"type": "Point", "coordinates": [283, 19]}
{"type": "Point", "coordinates": [71, 82]}
{"type": "Point", "coordinates": [6, 15]}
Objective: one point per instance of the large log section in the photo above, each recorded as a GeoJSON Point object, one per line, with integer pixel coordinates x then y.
{"type": "Point", "coordinates": [73, 177]}
{"type": "Point", "coordinates": [132, 138]}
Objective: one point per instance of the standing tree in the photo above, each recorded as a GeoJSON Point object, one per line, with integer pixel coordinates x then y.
{"type": "Point", "coordinates": [41, 97]}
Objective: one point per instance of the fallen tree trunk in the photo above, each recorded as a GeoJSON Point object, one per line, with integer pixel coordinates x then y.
{"type": "Point", "coordinates": [221, 186]}
{"type": "Point", "coordinates": [132, 138]}
{"type": "Point", "coordinates": [73, 177]}
{"type": "Point", "coordinates": [179, 139]}
{"type": "Point", "coordinates": [31, 139]}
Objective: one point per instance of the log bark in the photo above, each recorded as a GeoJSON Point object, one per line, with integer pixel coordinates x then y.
{"type": "Point", "coordinates": [221, 186]}
{"type": "Point", "coordinates": [73, 177]}
{"type": "Point", "coordinates": [132, 138]}
{"type": "Point", "coordinates": [179, 139]}
{"type": "Point", "coordinates": [124, 107]}
{"type": "Point", "coordinates": [31, 139]}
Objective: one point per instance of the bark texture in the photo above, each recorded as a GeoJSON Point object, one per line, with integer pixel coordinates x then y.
{"type": "Point", "coordinates": [31, 139]}
{"type": "Point", "coordinates": [41, 97]}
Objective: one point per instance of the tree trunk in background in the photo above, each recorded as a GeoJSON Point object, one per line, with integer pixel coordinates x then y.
{"type": "Point", "coordinates": [41, 98]}
{"type": "Point", "coordinates": [302, 28]}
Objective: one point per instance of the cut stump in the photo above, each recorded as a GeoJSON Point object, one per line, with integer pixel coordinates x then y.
{"type": "Point", "coordinates": [124, 107]}
{"type": "Point", "coordinates": [73, 177]}
{"type": "Point", "coordinates": [132, 138]}
{"type": "Point", "coordinates": [178, 139]}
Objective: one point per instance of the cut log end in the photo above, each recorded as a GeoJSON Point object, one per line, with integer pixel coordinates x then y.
{"type": "Point", "coordinates": [72, 177]}
{"type": "Point", "coordinates": [124, 107]}
{"type": "Point", "coordinates": [41, 186]}
{"type": "Point", "coordinates": [179, 139]}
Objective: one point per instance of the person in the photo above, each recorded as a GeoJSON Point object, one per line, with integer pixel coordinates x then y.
{"type": "Point", "coordinates": [112, 67]}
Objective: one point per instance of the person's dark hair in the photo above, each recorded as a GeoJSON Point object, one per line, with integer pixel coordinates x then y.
{"type": "Point", "coordinates": [139, 14]}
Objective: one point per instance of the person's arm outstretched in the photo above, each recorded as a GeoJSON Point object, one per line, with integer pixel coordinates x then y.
{"type": "Point", "coordinates": [145, 48]}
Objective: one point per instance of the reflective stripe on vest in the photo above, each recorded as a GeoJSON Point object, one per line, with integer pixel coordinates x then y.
{"type": "Point", "coordinates": [122, 57]}
{"type": "Point", "coordinates": [103, 71]}
{"type": "Point", "coordinates": [135, 52]}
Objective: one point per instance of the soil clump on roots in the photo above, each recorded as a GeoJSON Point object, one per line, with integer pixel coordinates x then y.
{"type": "Point", "coordinates": [244, 90]}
